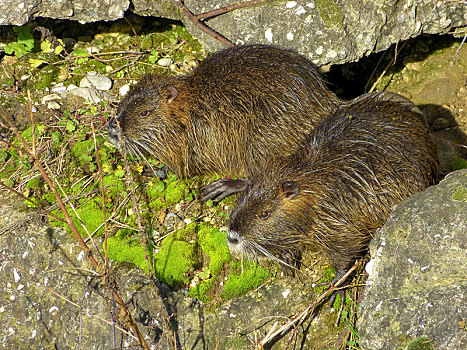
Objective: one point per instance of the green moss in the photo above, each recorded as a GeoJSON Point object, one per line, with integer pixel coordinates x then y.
{"type": "Point", "coordinates": [458, 164]}
{"type": "Point", "coordinates": [174, 260]}
{"type": "Point", "coordinates": [421, 343]}
{"type": "Point", "coordinates": [214, 245]}
{"type": "Point", "coordinates": [238, 343]}
{"type": "Point", "coordinates": [156, 189]}
{"type": "Point", "coordinates": [114, 184]}
{"type": "Point", "coordinates": [90, 213]}
{"type": "Point", "coordinates": [121, 249]}
{"type": "Point", "coordinates": [175, 192]}
{"type": "Point", "coordinates": [460, 194]}
{"type": "Point", "coordinates": [82, 151]}
{"type": "Point", "coordinates": [46, 76]}
{"type": "Point", "coordinates": [239, 283]}
{"type": "Point", "coordinates": [34, 183]}
{"type": "Point", "coordinates": [330, 13]}
{"type": "Point", "coordinates": [201, 290]}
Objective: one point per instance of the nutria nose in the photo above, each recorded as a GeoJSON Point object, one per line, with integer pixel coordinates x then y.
{"type": "Point", "coordinates": [232, 237]}
{"type": "Point", "coordinates": [112, 130]}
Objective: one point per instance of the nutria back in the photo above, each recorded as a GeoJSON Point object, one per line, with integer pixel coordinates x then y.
{"type": "Point", "coordinates": [240, 107]}
{"type": "Point", "coordinates": [334, 193]}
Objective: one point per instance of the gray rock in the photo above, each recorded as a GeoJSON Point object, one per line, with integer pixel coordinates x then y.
{"type": "Point", "coordinates": [99, 82]}
{"type": "Point", "coordinates": [18, 12]}
{"type": "Point", "coordinates": [51, 97]}
{"type": "Point", "coordinates": [328, 31]}
{"type": "Point", "coordinates": [90, 94]}
{"type": "Point", "coordinates": [53, 105]}
{"type": "Point", "coordinates": [417, 283]}
{"type": "Point", "coordinates": [41, 264]}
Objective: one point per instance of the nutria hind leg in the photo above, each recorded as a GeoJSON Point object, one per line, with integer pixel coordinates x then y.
{"type": "Point", "coordinates": [222, 188]}
{"type": "Point", "coordinates": [341, 292]}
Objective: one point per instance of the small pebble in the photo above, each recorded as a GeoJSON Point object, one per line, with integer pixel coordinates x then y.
{"type": "Point", "coordinates": [164, 62]}
{"type": "Point", "coordinates": [124, 89]}
{"type": "Point", "coordinates": [50, 97]}
{"type": "Point", "coordinates": [268, 34]}
{"type": "Point", "coordinates": [53, 105]}
{"type": "Point", "coordinates": [93, 49]}
{"type": "Point", "coordinates": [60, 87]}
{"type": "Point", "coordinates": [99, 82]}
{"type": "Point", "coordinates": [90, 94]}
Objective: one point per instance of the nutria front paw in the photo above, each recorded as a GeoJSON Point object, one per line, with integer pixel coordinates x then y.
{"type": "Point", "coordinates": [222, 188]}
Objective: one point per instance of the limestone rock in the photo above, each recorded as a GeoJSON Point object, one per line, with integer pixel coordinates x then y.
{"type": "Point", "coordinates": [416, 285]}
{"type": "Point", "coordinates": [329, 32]}
{"type": "Point", "coordinates": [18, 12]}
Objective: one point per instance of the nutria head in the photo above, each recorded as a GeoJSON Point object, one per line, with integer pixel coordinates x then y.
{"type": "Point", "coordinates": [338, 189]}
{"type": "Point", "coordinates": [264, 222]}
{"type": "Point", "coordinates": [151, 120]}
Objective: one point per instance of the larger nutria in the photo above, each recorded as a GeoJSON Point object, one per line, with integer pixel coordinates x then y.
{"type": "Point", "coordinates": [241, 107]}
{"type": "Point", "coordinates": [335, 192]}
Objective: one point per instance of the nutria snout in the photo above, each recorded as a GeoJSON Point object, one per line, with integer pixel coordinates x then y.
{"type": "Point", "coordinates": [338, 189]}
{"type": "Point", "coordinates": [240, 108]}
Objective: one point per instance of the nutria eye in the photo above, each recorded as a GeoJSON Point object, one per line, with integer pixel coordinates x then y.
{"type": "Point", "coordinates": [264, 215]}
{"type": "Point", "coordinates": [145, 114]}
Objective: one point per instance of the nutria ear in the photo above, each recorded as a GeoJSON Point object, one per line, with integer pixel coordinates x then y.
{"type": "Point", "coordinates": [290, 189]}
{"type": "Point", "coordinates": [171, 93]}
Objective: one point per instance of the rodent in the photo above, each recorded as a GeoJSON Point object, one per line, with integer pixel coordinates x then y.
{"type": "Point", "coordinates": [240, 108]}
{"type": "Point", "coordinates": [334, 193]}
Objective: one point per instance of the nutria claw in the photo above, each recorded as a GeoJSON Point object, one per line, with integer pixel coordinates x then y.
{"type": "Point", "coordinates": [222, 188]}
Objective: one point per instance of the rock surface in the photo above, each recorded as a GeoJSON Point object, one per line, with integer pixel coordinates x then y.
{"type": "Point", "coordinates": [43, 266]}
{"type": "Point", "coordinates": [19, 12]}
{"type": "Point", "coordinates": [328, 31]}
{"type": "Point", "coordinates": [416, 285]}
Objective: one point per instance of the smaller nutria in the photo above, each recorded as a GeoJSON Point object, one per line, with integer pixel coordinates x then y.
{"type": "Point", "coordinates": [335, 192]}
{"type": "Point", "coordinates": [239, 108]}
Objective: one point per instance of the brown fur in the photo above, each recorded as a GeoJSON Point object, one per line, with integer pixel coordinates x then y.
{"type": "Point", "coordinates": [335, 192]}
{"type": "Point", "coordinates": [240, 108]}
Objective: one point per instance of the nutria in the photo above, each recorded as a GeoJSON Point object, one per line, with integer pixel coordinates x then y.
{"type": "Point", "coordinates": [335, 192]}
{"type": "Point", "coordinates": [239, 108]}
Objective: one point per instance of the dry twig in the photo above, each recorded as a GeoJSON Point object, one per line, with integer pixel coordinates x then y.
{"type": "Point", "coordinates": [197, 19]}
{"type": "Point", "coordinates": [298, 319]}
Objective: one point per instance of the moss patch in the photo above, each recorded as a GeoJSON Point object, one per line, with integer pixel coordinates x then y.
{"type": "Point", "coordinates": [330, 13]}
{"type": "Point", "coordinates": [176, 258]}
{"type": "Point", "coordinates": [121, 249]}
{"type": "Point", "coordinates": [421, 343]}
{"type": "Point", "coordinates": [240, 282]}
{"type": "Point", "coordinates": [460, 194]}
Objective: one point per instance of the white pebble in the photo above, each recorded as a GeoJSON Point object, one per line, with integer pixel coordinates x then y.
{"type": "Point", "coordinates": [369, 267]}
{"type": "Point", "coordinates": [60, 87]}
{"type": "Point", "coordinates": [289, 36]}
{"type": "Point", "coordinates": [291, 4]}
{"type": "Point", "coordinates": [53, 105]}
{"type": "Point", "coordinates": [164, 62]}
{"type": "Point", "coordinates": [53, 309]}
{"type": "Point", "coordinates": [16, 275]}
{"type": "Point", "coordinates": [300, 10]}
{"type": "Point", "coordinates": [99, 82]}
{"type": "Point", "coordinates": [268, 34]}
{"type": "Point", "coordinates": [51, 97]}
